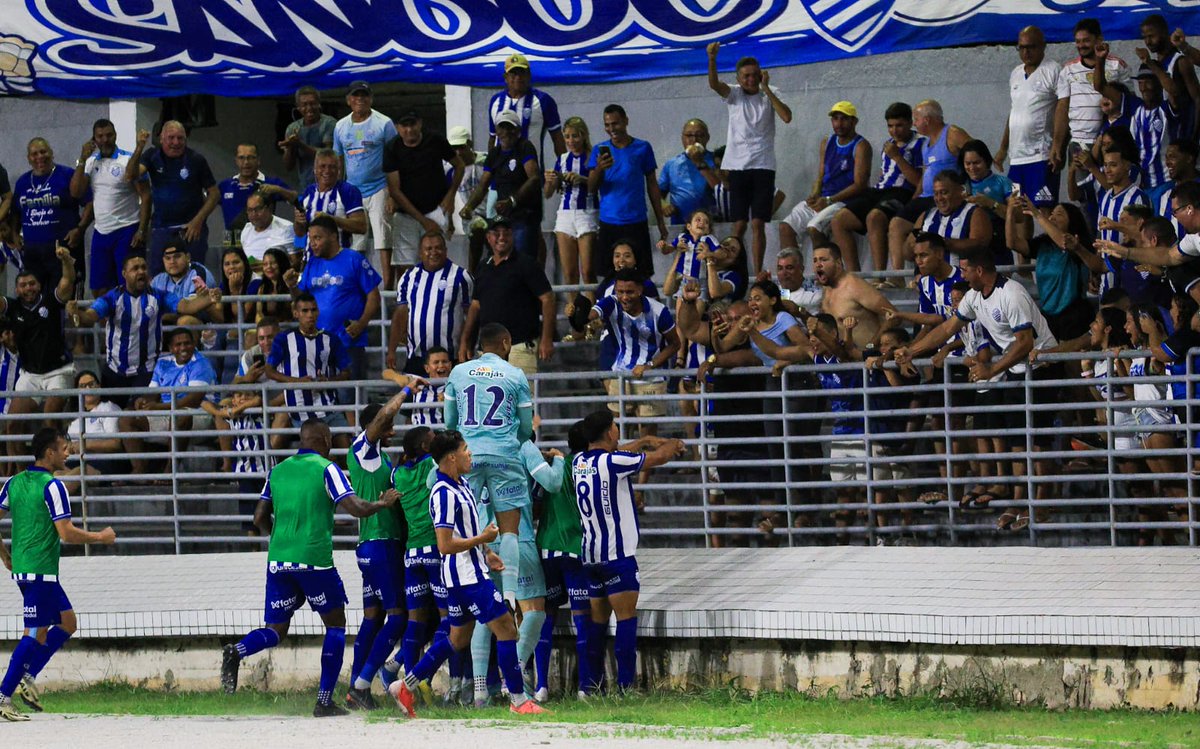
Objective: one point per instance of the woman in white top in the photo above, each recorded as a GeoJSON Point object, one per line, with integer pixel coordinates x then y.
{"type": "Point", "coordinates": [94, 434]}
{"type": "Point", "coordinates": [577, 220]}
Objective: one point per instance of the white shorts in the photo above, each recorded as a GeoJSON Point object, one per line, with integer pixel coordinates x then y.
{"type": "Point", "coordinates": [575, 222]}
{"type": "Point", "coordinates": [1152, 417]}
{"type": "Point", "coordinates": [804, 217]}
{"type": "Point", "coordinates": [848, 460]}
{"type": "Point", "coordinates": [406, 235]}
{"type": "Point", "coordinates": [379, 228]}
{"type": "Point", "coordinates": [1124, 440]}
{"type": "Point", "coordinates": [201, 421]}
{"type": "Point", "coordinates": [884, 470]}
{"type": "Point", "coordinates": [58, 379]}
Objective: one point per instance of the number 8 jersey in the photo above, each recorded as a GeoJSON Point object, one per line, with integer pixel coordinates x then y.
{"type": "Point", "coordinates": [607, 513]}
{"type": "Point", "coordinates": [487, 395]}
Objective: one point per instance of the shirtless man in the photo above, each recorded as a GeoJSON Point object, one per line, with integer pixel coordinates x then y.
{"type": "Point", "coordinates": [848, 296]}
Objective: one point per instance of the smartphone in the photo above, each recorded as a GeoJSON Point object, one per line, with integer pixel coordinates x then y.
{"type": "Point", "coordinates": [606, 151]}
{"type": "Point", "coordinates": [1074, 148]}
{"type": "Point", "coordinates": [260, 360]}
{"type": "Point", "coordinates": [298, 204]}
{"type": "Point", "coordinates": [1016, 191]}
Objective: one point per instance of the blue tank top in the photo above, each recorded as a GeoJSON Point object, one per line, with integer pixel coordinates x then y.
{"type": "Point", "coordinates": [839, 165]}
{"type": "Point", "coordinates": [937, 159]}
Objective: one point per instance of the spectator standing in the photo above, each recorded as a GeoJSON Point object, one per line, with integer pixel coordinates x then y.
{"type": "Point", "coordinates": [798, 294]}
{"type": "Point", "coordinates": [1156, 35]}
{"type": "Point", "coordinates": [264, 230]}
{"type": "Point", "coordinates": [236, 190]}
{"type": "Point", "coordinates": [1122, 193]}
{"type": "Point", "coordinates": [510, 289]}
{"type": "Point", "coordinates": [623, 173]}
{"type": "Point", "coordinates": [1155, 119]}
{"type": "Point", "coordinates": [471, 229]}
{"type": "Point", "coordinates": [577, 219]}
{"type": "Point", "coordinates": [749, 157]}
{"type": "Point", "coordinates": [431, 302]}
{"type": "Point", "coordinates": [306, 137]}
{"type": "Point", "coordinates": [1181, 168]}
{"type": "Point", "coordinates": [1028, 140]}
{"type": "Point", "coordinates": [1078, 116]}
{"type": "Point", "coordinates": [512, 172]}
{"type": "Point", "coordinates": [183, 191]}
{"type": "Point", "coordinates": [688, 179]}
{"type": "Point", "coordinates": [49, 213]}
{"type": "Point", "coordinates": [332, 196]}
{"type": "Point", "coordinates": [359, 139]}
{"type": "Point", "coordinates": [346, 288]}
{"type": "Point", "coordinates": [133, 315]}
{"type": "Point", "coordinates": [1185, 206]}
{"type": "Point", "coordinates": [416, 183]}
{"type": "Point", "coordinates": [122, 210]}
{"type": "Point", "coordinates": [536, 110]}
{"type": "Point", "coordinates": [844, 174]}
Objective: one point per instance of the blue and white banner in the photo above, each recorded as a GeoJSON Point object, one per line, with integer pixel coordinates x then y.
{"type": "Point", "coordinates": [137, 48]}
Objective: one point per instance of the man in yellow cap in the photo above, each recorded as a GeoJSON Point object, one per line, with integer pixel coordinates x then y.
{"type": "Point", "coordinates": [845, 172]}
{"type": "Point", "coordinates": [536, 110]}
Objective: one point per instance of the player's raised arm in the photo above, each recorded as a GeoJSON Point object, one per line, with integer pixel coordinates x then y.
{"type": "Point", "coordinates": [666, 451]}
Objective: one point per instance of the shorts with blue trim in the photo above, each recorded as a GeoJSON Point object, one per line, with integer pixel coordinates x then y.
{"type": "Point", "coordinates": [1038, 181]}
{"type": "Point", "coordinates": [381, 562]}
{"type": "Point", "coordinates": [609, 578]}
{"type": "Point", "coordinates": [480, 602]}
{"type": "Point", "coordinates": [506, 480]}
{"type": "Point", "coordinates": [531, 583]}
{"type": "Point", "coordinates": [44, 602]}
{"type": "Point", "coordinates": [423, 579]}
{"type": "Point", "coordinates": [108, 253]}
{"type": "Point", "coordinates": [565, 582]}
{"type": "Point", "coordinates": [289, 586]}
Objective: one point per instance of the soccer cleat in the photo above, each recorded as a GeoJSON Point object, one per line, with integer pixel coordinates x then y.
{"type": "Point", "coordinates": [230, 660]}
{"type": "Point", "coordinates": [9, 712]}
{"type": "Point", "coordinates": [360, 699]}
{"type": "Point", "coordinates": [528, 707]}
{"type": "Point", "coordinates": [404, 698]}
{"type": "Point", "coordinates": [329, 710]}
{"type": "Point", "coordinates": [583, 696]}
{"type": "Point", "coordinates": [425, 690]}
{"type": "Point", "coordinates": [453, 693]}
{"type": "Point", "coordinates": [542, 695]}
{"type": "Point", "coordinates": [482, 702]}
{"type": "Point", "coordinates": [28, 693]}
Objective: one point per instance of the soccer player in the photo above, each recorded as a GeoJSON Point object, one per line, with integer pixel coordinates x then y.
{"type": "Point", "coordinates": [470, 592]}
{"type": "Point", "coordinates": [303, 492]}
{"type": "Point", "coordinates": [41, 520]}
{"type": "Point", "coordinates": [604, 494]}
{"type": "Point", "coordinates": [489, 400]}
{"type": "Point", "coordinates": [380, 548]}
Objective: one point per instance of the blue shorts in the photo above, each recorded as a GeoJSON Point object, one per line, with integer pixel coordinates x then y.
{"type": "Point", "coordinates": [506, 480]}
{"type": "Point", "coordinates": [609, 578]}
{"type": "Point", "coordinates": [107, 255]}
{"type": "Point", "coordinates": [565, 582]}
{"type": "Point", "coordinates": [423, 579]}
{"type": "Point", "coordinates": [531, 583]}
{"type": "Point", "coordinates": [481, 602]}
{"type": "Point", "coordinates": [1036, 181]}
{"type": "Point", "coordinates": [44, 602]}
{"type": "Point", "coordinates": [381, 564]}
{"type": "Point", "coordinates": [288, 589]}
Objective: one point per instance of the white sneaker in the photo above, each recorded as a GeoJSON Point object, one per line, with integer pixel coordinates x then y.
{"type": "Point", "coordinates": [542, 695]}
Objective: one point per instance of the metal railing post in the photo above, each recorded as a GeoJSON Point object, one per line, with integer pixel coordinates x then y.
{"type": "Point", "coordinates": [787, 457]}
{"type": "Point", "coordinates": [1110, 442]}
{"type": "Point", "coordinates": [1030, 419]}
{"type": "Point", "coordinates": [702, 451]}
{"type": "Point", "coordinates": [948, 436]}
{"type": "Point", "coordinates": [174, 472]}
{"type": "Point", "coordinates": [868, 458]}
{"type": "Point", "coordinates": [83, 498]}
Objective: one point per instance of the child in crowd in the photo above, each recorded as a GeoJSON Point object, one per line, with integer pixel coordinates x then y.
{"type": "Point", "coordinates": [239, 418]}
{"type": "Point", "coordinates": [847, 450]}
{"type": "Point", "coordinates": [884, 443]}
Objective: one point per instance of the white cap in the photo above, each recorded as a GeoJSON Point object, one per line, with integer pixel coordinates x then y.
{"type": "Point", "coordinates": [458, 135]}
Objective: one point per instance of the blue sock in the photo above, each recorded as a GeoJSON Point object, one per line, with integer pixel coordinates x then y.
{"type": "Point", "coordinates": [506, 657]}
{"type": "Point", "coordinates": [456, 659]}
{"type": "Point", "coordinates": [510, 554]}
{"type": "Point", "coordinates": [596, 650]}
{"type": "Point", "coordinates": [437, 654]}
{"type": "Point", "coordinates": [493, 668]}
{"type": "Point", "coordinates": [333, 652]}
{"type": "Point", "coordinates": [583, 657]}
{"type": "Point", "coordinates": [257, 640]}
{"type": "Point", "coordinates": [625, 650]}
{"type": "Point", "coordinates": [384, 642]}
{"type": "Point", "coordinates": [410, 650]}
{"type": "Point", "coordinates": [528, 635]}
{"type": "Point", "coordinates": [541, 655]}
{"type": "Point", "coordinates": [18, 664]}
{"type": "Point", "coordinates": [362, 645]}
{"type": "Point", "coordinates": [55, 639]}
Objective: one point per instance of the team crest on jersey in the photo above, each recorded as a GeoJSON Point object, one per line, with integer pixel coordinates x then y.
{"type": "Point", "coordinates": [512, 165]}
{"type": "Point", "coordinates": [116, 170]}
{"type": "Point", "coordinates": [183, 173]}
{"type": "Point", "coordinates": [996, 315]}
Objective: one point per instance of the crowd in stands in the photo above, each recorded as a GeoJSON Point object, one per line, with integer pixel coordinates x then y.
{"type": "Point", "coordinates": [1093, 181]}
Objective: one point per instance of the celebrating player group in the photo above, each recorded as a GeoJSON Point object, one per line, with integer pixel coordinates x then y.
{"type": "Point", "coordinates": [447, 541]}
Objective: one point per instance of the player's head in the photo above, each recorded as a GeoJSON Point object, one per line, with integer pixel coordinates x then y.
{"type": "Point", "coordinates": [135, 273]}
{"type": "Point", "coordinates": [416, 443]}
{"type": "Point", "coordinates": [899, 117]}
{"type": "Point", "coordinates": [576, 441]}
{"type": "Point", "coordinates": [29, 288]}
{"type": "Point", "coordinates": [323, 238]}
{"type": "Point", "coordinates": [315, 436]}
{"type": "Point", "coordinates": [929, 251]}
{"type": "Point", "coordinates": [599, 429]}
{"type": "Point", "coordinates": [368, 414]}
{"type": "Point", "coordinates": [494, 338]}
{"type": "Point", "coordinates": [438, 362]}
{"type": "Point", "coordinates": [977, 267]}
{"type": "Point", "coordinates": [51, 448]}
{"type": "Point", "coordinates": [450, 452]}
{"type": "Point", "coordinates": [628, 289]}
{"type": "Point", "coordinates": [304, 309]}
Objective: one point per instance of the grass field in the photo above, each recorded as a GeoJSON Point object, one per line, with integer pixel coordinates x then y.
{"type": "Point", "coordinates": [743, 716]}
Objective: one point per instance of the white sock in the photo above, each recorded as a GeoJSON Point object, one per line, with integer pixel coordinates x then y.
{"type": "Point", "coordinates": [361, 683]}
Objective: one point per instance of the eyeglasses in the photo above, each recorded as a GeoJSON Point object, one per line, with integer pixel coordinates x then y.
{"type": "Point", "coordinates": [85, 384]}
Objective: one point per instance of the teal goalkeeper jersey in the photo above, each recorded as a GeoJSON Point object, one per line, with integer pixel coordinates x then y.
{"type": "Point", "coordinates": [488, 394]}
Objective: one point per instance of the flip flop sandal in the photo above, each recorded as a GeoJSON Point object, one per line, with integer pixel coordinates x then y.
{"type": "Point", "coordinates": [1007, 521]}
{"type": "Point", "coordinates": [968, 499]}
{"type": "Point", "coordinates": [1021, 523]}
{"type": "Point", "coordinates": [933, 497]}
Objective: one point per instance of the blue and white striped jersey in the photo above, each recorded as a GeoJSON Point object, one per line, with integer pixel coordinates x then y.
{"type": "Point", "coordinates": [1152, 130]}
{"type": "Point", "coordinates": [575, 197]}
{"type": "Point", "coordinates": [607, 513]}
{"type": "Point", "coordinates": [955, 225]}
{"type": "Point", "coordinates": [1111, 205]}
{"type": "Point", "coordinates": [638, 338]}
{"type": "Point", "coordinates": [890, 175]}
{"type": "Point", "coordinates": [249, 444]}
{"type": "Point", "coordinates": [452, 505]}
{"type": "Point", "coordinates": [10, 370]}
{"type": "Point", "coordinates": [429, 407]}
{"type": "Point", "coordinates": [58, 500]}
{"type": "Point", "coordinates": [688, 263]}
{"type": "Point", "coordinates": [134, 328]}
{"type": "Point", "coordinates": [437, 302]}
{"type": "Point", "coordinates": [933, 296]}
{"type": "Point", "coordinates": [296, 355]}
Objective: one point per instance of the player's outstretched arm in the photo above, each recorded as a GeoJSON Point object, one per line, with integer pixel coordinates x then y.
{"type": "Point", "coordinates": [72, 534]}
{"type": "Point", "coordinates": [664, 453]}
